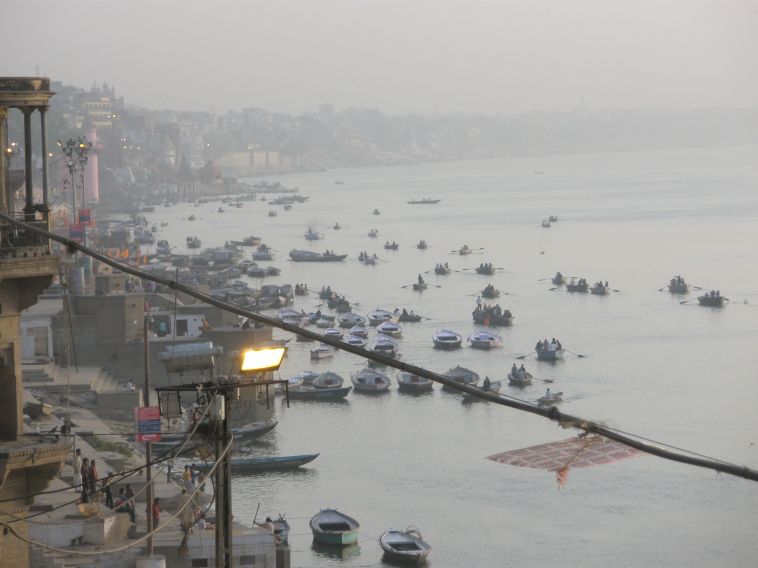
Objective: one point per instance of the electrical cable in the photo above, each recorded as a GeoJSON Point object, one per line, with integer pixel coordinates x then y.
{"type": "Point", "coordinates": [140, 540]}
{"type": "Point", "coordinates": [552, 413]}
{"type": "Point", "coordinates": [169, 454]}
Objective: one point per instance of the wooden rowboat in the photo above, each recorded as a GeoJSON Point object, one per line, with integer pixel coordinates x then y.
{"type": "Point", "coordinates": [331, 527]}
{"type": "Point", "coordinates": [404, 546]}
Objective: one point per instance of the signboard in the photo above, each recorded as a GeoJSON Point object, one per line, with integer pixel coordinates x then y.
{"type": "Point", "coordinates": [148, 419]}
{"type": "Point", "coordinates": [85, 216]}
{"type": "Point", "coordinates": [76, 232]}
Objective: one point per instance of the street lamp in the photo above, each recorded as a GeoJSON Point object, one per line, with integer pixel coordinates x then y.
{"type": "Point", "coordinates": [262, 359]}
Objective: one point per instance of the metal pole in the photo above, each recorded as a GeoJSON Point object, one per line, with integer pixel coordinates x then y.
{"type": "Point", "coordinates": [226, 474]}
{"type": "Point", "coordinates": [148, 448]}
{"type": "Point", "coordinates": [220, 500]}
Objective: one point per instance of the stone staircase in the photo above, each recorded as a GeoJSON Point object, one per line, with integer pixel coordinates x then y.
{"type": "Point", "coordinates": [43, 558]}
{"type": "Point", "coordinates": [56, 380]}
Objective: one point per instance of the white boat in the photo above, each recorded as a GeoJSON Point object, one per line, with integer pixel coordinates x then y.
{"type": "Point", "coordinates": [322, 352]}
{"type": "Point", "coordinates": [389, 328]}
{"type": "Point", "coordinates": [493, 387]}
{"type": "Point", "coordinates": [356, 341]}
{"type": "Point", "coordinates": [368, 380]}
{"type": "Point", "coordinates": [446, 339]}
{"type": "Point", "coordinates": [359, 331]}
{"type": "Point", "coordinates": [334, 332]}
{"type": "Point", "coordinates": [408, 382]}
{"type": "Point", "coordinates": [290, 315]}
{"type": "Point", "coordinates": [378, 316]}
{"type": "Point", "coordinates": [405, 546]}
{"type": "Point", "coordinates": [385, 345]}
{"type": "Point", "coordinates": [485, 340]}
{"type": "Point", "coordinates": [324, 323]}
{"type": "Point", "coordinates": [350, 319]}
{"type": "Point", "coordinates": [461, 375]}
{"type": "Point", "coordinates": [301, 379]}
{"type": "Point", "coordinates": [326, 386]}
{"type": "Point", "coordinates": [311, 235]}
{"type": "Point", "coordinates": [545, 224]}
{"type": "Point", "coordinates": [550, 398]}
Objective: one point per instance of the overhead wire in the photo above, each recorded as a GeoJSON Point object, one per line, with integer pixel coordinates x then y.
{"type": "Point", "coordinates": [160, 527]}
{"type": "Point", "coordinates": [552, 413]}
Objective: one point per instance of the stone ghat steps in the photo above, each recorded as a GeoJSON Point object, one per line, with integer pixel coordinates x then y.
{"type": "Point", "coordinates": [44, 558]}
{"type": "Point", "coordinates": [57, 380]}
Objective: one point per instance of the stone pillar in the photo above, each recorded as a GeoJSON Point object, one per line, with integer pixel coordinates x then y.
{"type": "Point", "coordinates": [45, 173]}
{"type": "Point", "coordinates": [5, 158]}
{"type": "Point", "coordinates": [29, 207]}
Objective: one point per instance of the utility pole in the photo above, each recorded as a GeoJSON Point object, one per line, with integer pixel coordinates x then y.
{"type": "Point", "coordinates": [148, 447]}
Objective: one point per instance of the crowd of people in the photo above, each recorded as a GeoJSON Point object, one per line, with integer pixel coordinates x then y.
{"type": "Point", "coordinates": [301, 289]}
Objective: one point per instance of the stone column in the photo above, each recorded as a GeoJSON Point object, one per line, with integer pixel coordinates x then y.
{"type": "Point", "coordinates": [29, 207]}
{"type": "Point", "coordinates": [45, 173]}
{"type": "Point", "coordinates": [4, 162]}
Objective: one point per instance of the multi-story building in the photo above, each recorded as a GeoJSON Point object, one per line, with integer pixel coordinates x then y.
{"type": "Point", "coordinates": [26, 268]}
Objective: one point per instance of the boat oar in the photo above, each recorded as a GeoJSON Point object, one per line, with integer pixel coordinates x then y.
{"type": "Point", "coordinates": [256, 513]}
{"type": "Point", "coordinates": [690, 300]}
{"type": "Point", "coordinates": [577, 354]}
{"type": "Point", "coordinates": [525, 355]}
{"type": "Point", "coordinates": [695, 287]}
{"type": "Point", "coordinates": [614, 290]}
{"type": "Point", "coordinates": [435, 285]}
{"type": "Point", "coordinates": [662, 289]}
{"type": "Point", "coordinates": [544, 380]}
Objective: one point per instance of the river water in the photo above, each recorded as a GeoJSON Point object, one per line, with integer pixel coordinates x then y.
{"type": "Point", "coordinates": [681, 374]}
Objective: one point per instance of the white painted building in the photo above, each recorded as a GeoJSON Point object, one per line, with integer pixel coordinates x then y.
{"type": "Point", "coordinates": [37, 330]}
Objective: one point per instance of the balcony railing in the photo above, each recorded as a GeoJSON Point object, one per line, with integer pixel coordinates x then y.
{"type": "Point", "coordinates": [20, 242]}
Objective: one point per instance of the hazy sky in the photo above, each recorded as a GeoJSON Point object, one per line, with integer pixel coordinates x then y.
{"type": "Point", "coordinates": [398, 57]}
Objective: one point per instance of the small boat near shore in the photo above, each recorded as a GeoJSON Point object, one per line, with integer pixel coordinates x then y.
{"type": "Point", "coordinates": [326, 386]}
{"type": "Point", "coordinates": [410, 383]}
{"type": "Point", "coordinates": [446, 339]}
{"type": "Point", "coordinates": [407, 547]}
{"type": "Point", "coordinates": [485, 340]}
{"type": "Point", "coordinates": [422, 245]}
{"type": "Point", "coordinates": [331, 527]}
{"type": "Point", "coordinates": [461, 375]}
{"type": "Point", "coordinates": [350, 319]}
{"type": "Point", "coordinates": [312, 256]}
{"type": "Point", "coordinates": [520, 377]}
{"type": "Point", "coordinates": [322, 352]}
{"type": "Point", "coordinates": [370, 381]}
{"type": "Point", "coordinates": [359, 330]}
{"type": "Point", "coordinates": [409, 317]}
{"type": "Point", "coordinates": [549, 351]}
{"type": "Point", "coordinates": [377, 316]}
{"type": "Point", "coordinates": [491, 387]}
{"type": "Point", "coordinates": [389, 328]}
{"type": "Point", "coordinates": [546, 224]}
{"type": "Point", "coordinates": [391, 246]}
{"type": "Point", "coordinates": [264, 463]}
{"type": "Point", "coordinates": [356, 341]}
{"type": "Point", "coordinates": [550, 398]}
{"type": "Point", "coordinates": [385, 345]}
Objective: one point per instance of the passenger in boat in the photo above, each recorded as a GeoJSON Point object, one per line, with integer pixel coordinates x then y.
{"type": "Point", "coordinates": [486, 385]}
{"type": "Point", "coordinates": [405, 312]}
{"type": "Point", "coordinates": [420, 280]}
{"type": "Point", "coordinates": [478, 302]}
{"type": "Point", "coordinates": [558, 345]}
{"type": "Point", "coordinates": [537, 347]}
{"type": "Point", "coordinates": [514, 370]}
{"type": "Point", "coordinates": [547, 393]}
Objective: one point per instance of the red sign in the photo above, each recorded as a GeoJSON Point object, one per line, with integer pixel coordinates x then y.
{"type": "Point", "coordinates": [148, 419]}
{"type": "Point", "coordinates": [85, 216]}
{"type": "Point", "coordinates": [76, 232]}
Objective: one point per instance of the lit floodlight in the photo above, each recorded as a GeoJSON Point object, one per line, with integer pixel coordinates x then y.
{"type": "Point", "coordinates": [262, 359]}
